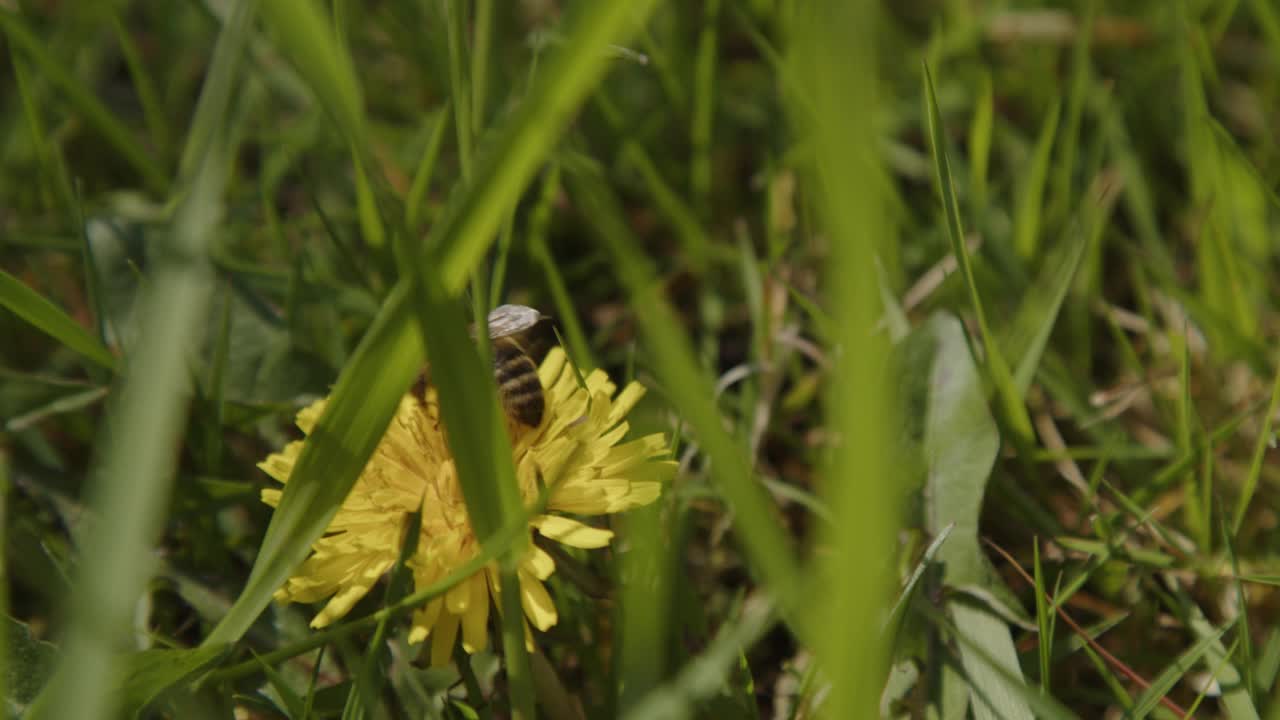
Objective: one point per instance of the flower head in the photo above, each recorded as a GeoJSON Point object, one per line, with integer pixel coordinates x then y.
{"type": "Point", "coordinates": [576, 454]}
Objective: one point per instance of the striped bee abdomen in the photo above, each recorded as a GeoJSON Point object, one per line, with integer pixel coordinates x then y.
{"type": "Point", "coordinates": [518, 383]}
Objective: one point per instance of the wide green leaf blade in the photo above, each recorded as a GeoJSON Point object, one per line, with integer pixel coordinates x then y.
{"type": "Point", "coordinates": [960, 445]}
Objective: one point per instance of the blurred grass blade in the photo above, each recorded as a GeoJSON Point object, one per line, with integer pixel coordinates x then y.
{"type": "Point", "coordinates": [307, 38]}
{"type": "Point", "coordinates": [129, 487]}
{"type": "Point", "coordinates": [64, 404]}
{"type": "Point", "coordinates": [980, 131]}
{"type": "Point", "coordinates": [304, 35]}
{"type": "Point", "coordinates": [51, 320]}
{"type": "Point", "coordinates": [361, 405]}
{"type": "Point", "coordinates": [426, 168]}
{"type": "Point", "coordinates": [838, 112]}
{"type": "Point", "coordinates": [479, 445]}
{"type": "Point", "coordinates": [1030, 203]}
{"type": "Point", "coordinates": [95, 113]}
{"type": "Point", "coordinates": [1266, 439]}
{"type": "Point", "coordinates": [1028, 335]}
{"type": "Point", "coordinates": [508, 163]}
{"type": "Point", "coordinates": [1014, 411]}
{"type": "Point", "coordinates": [1164, 682]}
{"type": "Point", "coordinates": [990, 659]}
{"type": "Point", "coordinates": [703, 676]}
{"type": "Point", "coordinates": [690, 391]}
{"type": "Point", "coordinates": [566, 315]}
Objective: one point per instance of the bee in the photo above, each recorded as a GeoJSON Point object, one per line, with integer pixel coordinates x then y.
{"type": "Point", "coordinates": [520, 337]}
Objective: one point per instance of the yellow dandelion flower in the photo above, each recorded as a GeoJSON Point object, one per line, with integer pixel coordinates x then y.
{"type": "Point", "coordinates": [575, 453]}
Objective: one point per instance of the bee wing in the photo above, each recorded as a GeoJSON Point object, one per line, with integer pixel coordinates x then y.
{"type": "Point", "coordinates": [511, 319]}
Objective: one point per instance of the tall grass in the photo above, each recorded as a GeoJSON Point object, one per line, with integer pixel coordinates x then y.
{"type": "Point", "coordinates": [958, 323]}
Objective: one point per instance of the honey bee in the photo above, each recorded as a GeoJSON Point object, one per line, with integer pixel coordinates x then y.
{"type": "Point", "coordinates": [520, 337]}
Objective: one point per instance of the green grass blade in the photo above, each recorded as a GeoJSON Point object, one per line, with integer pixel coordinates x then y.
{"type": "Point", "coordinates": [1164, 682]}
{"type": "Point", "coordinates": [899, 610]}
{"type": "Point", "coordinates": [690, 391]}
{"type": "Point", "coordinates": [514, 155]}
{"type": "Point", "coordinates": [304, 36]}
{"type": "Point", "coordinates": [668, 202]}
{"type": "Point", "coordinates": [482, 451]}
{"type": "Point", "coordinates": [115, 132]}
{"type": "Point", "coordinates": [1244, 640]}
{"type": "Point", "coordinates": [1044, 619]}
{"type": "Point", "coordinates": [1014, 411]}
{"type": "Point", "coordinates": [566, 316]}
{"type": "Point", "coordinates": [361, 405]}
{"type": "Point", "coordinates": [981, 128]}
{"type": "Point", "coordinates": [703, 675]}
{"type": "Point", "coordinates": [459, 88]}
{"type": "Point", "coordinates": [145, 87]}
{"type": "Point", "coordinates": [855, 202]}
{"type": "Point", "coordinates": [422, 176]}
{"type": "Point", "coordinates": [48, 318]}
{"type": "Point", "coordinates": [1028, 335]}
{"type": "Point", "coordinates": [130, 485]}
{"type": "Point", "coordinates": [704, 101]}
{"type": "Point", "coordinates": [1266, 437]}
{"type": "Point", "coordinates": [143, 676]}
{"type": "Point", "coordinates": [1030, 203]}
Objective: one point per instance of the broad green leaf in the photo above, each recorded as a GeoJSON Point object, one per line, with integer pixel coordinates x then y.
{"type": "Point", "coordinates": [996, 688]}
{"type": "Point", "coordinates": [28, 664]}
{"type": "Point", "coordinates": [960, 445]}
{"type": "Point", "coordinates": [51, 320]}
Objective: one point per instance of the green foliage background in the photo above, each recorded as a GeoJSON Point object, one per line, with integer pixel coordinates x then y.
{"type": "Point", "coordinates": [960, 316]}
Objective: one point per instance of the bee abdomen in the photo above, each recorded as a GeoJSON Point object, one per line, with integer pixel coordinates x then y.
{"type": "Point", "coordinates": [518, 383]}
